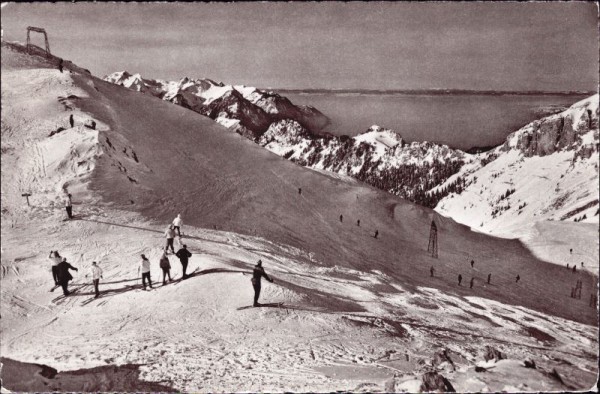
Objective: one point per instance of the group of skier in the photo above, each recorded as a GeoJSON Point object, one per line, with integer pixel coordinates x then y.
{"type": "Point", "coordinates": [472, 282]}
{"type": "Point", "coordinates": [62, 276]}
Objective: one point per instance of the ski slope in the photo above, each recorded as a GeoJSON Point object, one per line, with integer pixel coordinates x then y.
{"type": "Point", "coordinates": [358, 313]}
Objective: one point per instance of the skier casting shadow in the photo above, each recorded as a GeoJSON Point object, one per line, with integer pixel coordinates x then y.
{"type": "Point", "coordinates": [257, 274]}
{"type": "Point", "coordinates": [64, 276]}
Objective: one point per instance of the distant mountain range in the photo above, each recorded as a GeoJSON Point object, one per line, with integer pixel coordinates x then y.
{"type": "Point", "coordinates": [423, 172]}
{"type": "Point", "coordinates": [246, 110]}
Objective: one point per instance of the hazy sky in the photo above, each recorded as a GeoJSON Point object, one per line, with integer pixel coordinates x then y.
{"type": "Point", "coordinates": [504, 46]}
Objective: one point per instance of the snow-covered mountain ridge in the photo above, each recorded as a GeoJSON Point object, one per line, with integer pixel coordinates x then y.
{"type": "Point", "coordinates": [545, 171]}
{"type": "Point", "coordinates": [378, 156]}
{"type": "Point", "coordinates": [244, 109]}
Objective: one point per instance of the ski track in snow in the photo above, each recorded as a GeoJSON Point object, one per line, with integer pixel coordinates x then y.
{"type": "Point", "coordinates": [337, 328]}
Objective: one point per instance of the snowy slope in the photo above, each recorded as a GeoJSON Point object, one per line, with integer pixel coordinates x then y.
{"type": "Point", "coordinates": [358, 313]}
{"type": "Point", "coordinates": [549, 168]}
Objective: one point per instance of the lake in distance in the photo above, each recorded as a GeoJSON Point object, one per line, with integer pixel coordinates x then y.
{"type": "Point", "coordinates": [460, 121]}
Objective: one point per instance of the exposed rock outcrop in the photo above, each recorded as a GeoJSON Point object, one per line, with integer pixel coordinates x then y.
{"type": "Point", "coordinates": [563, 131]}
{"type": "Point", "coordinates": [434, 382]}
{"type": "Point", "coordinates": [491, 353]}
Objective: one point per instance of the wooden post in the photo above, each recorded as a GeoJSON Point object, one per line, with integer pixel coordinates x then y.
{"type": "Point", "coordinates": [26, 195]}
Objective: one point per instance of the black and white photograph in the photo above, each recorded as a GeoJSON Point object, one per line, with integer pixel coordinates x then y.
{"type": "Point", "coordinates": [360, 197]}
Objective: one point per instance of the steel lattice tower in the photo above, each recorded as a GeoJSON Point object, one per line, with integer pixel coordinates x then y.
{"type": "Point", "coordinates": [433, 243]}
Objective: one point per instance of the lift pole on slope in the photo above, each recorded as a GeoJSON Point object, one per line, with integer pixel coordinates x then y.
{"type": "Point", "coordinates": [433, 243]}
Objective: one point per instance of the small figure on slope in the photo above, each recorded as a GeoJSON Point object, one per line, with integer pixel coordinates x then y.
{"type": "Point", "coordinates": [472, 263]}
{"type": "Point", "coordinates": [64, 276]}
{"type": "Point", "coordinates": [341, 218]}
{"type": "Point", "coordinates": [459, 279]}
{"type": "Point", "coordinates": [489, 278]}
{"type": "Point", "coordinates": [55, 259]}
{"type": "Point", "coordinates": [376, 234]}
{"type": "Point", "coordinates": [170, 235]}
{"type": "Point", "coordinates": [96, 275]}
{"type": "Point", "coordinates": [431, 271]}
{"type": "Point", "coordinates": [518, 278]}
{"type": "Point", "coordinates": [68, 205]}
{"type": "Point", "coordinates": [177, 222]}
{"type": "Point", "coordinates": [71, 121]}
{"type": "Point", "coordinates": [165, 265]}
{"type": "Point", "coordinates": [145, 268]}
{"type": "Point", "coordinates": [183, 254]}
{"type": "Point", "coordinates": [257, 274]}
{"type": "Point", "coordinates": [472, 281]}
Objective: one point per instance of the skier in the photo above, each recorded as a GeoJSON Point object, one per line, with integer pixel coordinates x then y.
{"type": "Point", "coordinates": [177, 222]}
{"type": "Point", "coordinates": [64, 276]}
{"type": "Point", "coordinates": [431, 271]}
{"type": "Point", "coordinates": [582, 264]}
{"type": "Point", "coordinates": [145, 267]}
{"type": "Point", "coordinates": [71, 121]}
{"type": "Point", "coordinates": [183, 255]}
{"type": "Point", "coordinates": [300, 190]}
{"type": "Point", "coordinates": [376, 234]}
{"type": "Point", "coordinates": [341, 218]}
{"type": "Point", "coordinates": [518, 278]}
{"type": "Point", "coordinates": [165, 265]}
{"type": "Point", "coordinates": [170, 235]}
{"type": "Point", "coordinates": [489, 278]}
{"type": "Point", "coordinates": [358, 222]}
{"type": "Point", "coordinates": [472, 263]}
{"type": "Point", "coordinates": [69, 205]}
{"type": "Point", "coordinates": [459, 279]}
{"type": "Point", "coordinates": [60, 65]}
{"type": "Point", "coordinates": [55, 259]}
{"type": "Point", "coordinates": [257, 274]}
{"type": "Point", "coordinates": [96, 275]}
{"type": "Point", "coordinates": [567, 265]}
{"type": "Point", "coordinates": [571, 251]}
{"type": "Point", "coordinates": [472, 281]}
{"type": "Point", "coordinates": [574, 268]}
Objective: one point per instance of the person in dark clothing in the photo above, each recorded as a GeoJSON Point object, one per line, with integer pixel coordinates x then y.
{"type": "Point", "coordinates": [69, 206]}
{"type": "Point", "coordinates": [93, 125]}
{"type": "Point", "coordinates": [518, 278]}
{"type": "Point", "coordinates": [472, 281]}
{"type": "Point", "coordinates": [165, 265]}
{"type": "Point", "coordinates": [60, 65]}
{"type": "Point", "coordinates": [571, 251]}
{"type": "Point", "coordinates": [489, 278]}
{"type": "Point", "coordinates": [257, 274]}
{"type": "Point", "coordinates": [459, 279]}
{"type": "Point", "coordinates": [376, 234]}
{"type": "Point", "coordinates": [574, 268]}
{"type": "Point", "coordinates": [431, 271]}
{"type": "Point", "coordinates": [64, 276]}
{"type": "Point", "coordinates": [71, 120]}
{"type": "Point", "coordinates": [358, 222]}
{"type": "Point", "coordinates": [472, 263]}
{"type": "Point", "coordinates": [183, 254]}
{"type": "Point", "coordinates": [55, 259]}
{"type": "Point", "coordinates": [341, 218]}
{"type": "Point", "coordinates": [299, 190]}
{"type": "Point", "coordinates": [567, 265]}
